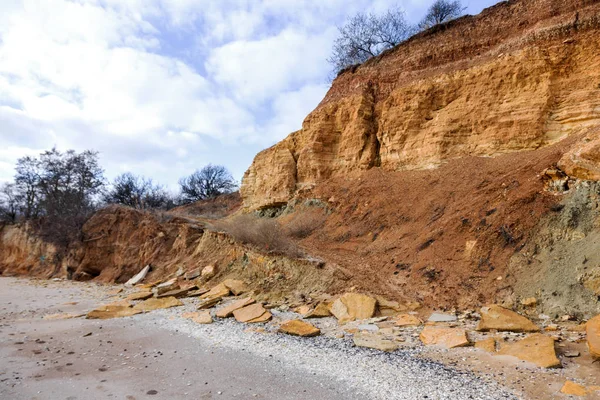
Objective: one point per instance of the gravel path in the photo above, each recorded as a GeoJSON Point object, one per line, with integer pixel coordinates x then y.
{"type": "Point", "coordinates": [129, 358]}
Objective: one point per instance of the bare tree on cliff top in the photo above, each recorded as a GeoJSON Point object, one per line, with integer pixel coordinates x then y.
{"type": "Point", "coordinates": [10, 203]}
{"type": "Point", "coordinates": [441, 11]}
{"type": "Point", "coordinates": [367, 35]}
{"type": "Point", "coordinates": [138, 192]}
{"type": "Point", "coordinates": [209, 182]}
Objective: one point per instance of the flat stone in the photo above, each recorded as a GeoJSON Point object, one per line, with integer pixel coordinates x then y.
{"type": "Point", "coordinates": [218, 291]}
{"type": "Point", "coordinates": [320, 311]}
{"type": "Point", "coordinates": [109, 311]}
{"type": "Point", "coordinates": [339, 310]}
{"type": "Point", "coordinates": [299, 328]}
{"type": "Point", "coordinates": [197, 293]}
{"type": "Point", "coordinates": [208, 303]}
{"type": "Point", "coordinates": [488, 345]}
{"type": "Point", "coordinates": [167, 286]}
{"type": "Point", "coordinates": [389, 308]}
{"type": "Point", "coordinates": [139, 296]}
{"type": "Point", "coordinates": [407, 320]}
{"type": "Point", "coordinates": [178, 293]}
{"type": "Point", "coordinates": [374, 341]}
{"type": "Point", "coordinates": [592, 331]}
{"type": "Point", "coordinates": [574, 389]}
{"type": "Point", "coordinates": [368, 327]}
{"type": "Point", "coordinates": [360, 306]}
{"type": "Point", "coordinates": [502, 319]}
{"type": "Point", "coordinates": [227, 311]}
{"type": "Point", "coordinates": [302, 310]}
{"type": "Point", "coordinates": [202, 317]}
{"type": "Point", "coordinates": [444, 337]}
{"type": "Point", "coordinates": [249, 313]}
{"type": "Point", "coordinates": [193, 274]}
{"type": "Point", "coordinates": [537, 349]}
{"type": "Point", "coordinates": [263, 318]}
{"type": "Point", "coordinates": [236, 286]}
{"type": "Point", "coordinates": [138, 277]}
{"type": "Point", "coordinates": [441, 317]}
{"type": "Point", "coordinates": [157, 304]}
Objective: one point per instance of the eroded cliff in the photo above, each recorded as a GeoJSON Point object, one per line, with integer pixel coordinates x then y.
{"type": "Point", "coordinates": [519, 76]}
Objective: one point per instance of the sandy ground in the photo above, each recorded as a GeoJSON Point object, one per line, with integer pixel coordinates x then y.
{"type": "Point", "coordinates": [160, 355]}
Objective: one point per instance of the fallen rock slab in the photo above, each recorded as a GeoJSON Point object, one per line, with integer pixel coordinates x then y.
{"type": "Point", "coordinates": [138, 277]}
{"type": "Point", "coordinates": [537, 349]}
{"type": "Point", "coordinates": [488, 345]}
{"type": "Point", "coordinates": [110, 311]}
{"type": "Point", "coordinates": [320, 311]}
{"type": "Point", "coordinates": [374, 341]}
{"type": "Point", "coordinates": [197, 293]}
{"type": "Point", "coordinates": [444, 337]}
{"type": "Point", "coordinates": [339, 310]}
{"type": "Point", "coordinates": [193, 274]}
{"type": "Point", "coordinates": [227, 311]}
{"type": "Point", "coordinates": [236, 286]}
{"type": "Point", "coordinates": [574, 389]}
{"type": "Point", "coordinates": [299, 328]}
{"type": "Point", "coordinates": [157, 304]}
{"type": "Point", "coordinates": [360, 306]}
{"type": "Point", "coordinates": [167, 286]}
{"type": "Point", "coordinates": [407, 320]}
{"type": "Point", "coordinates": [502, 319]}
{"type": "Point", "coordinates": [249, 313]}
{"type": "Point", "coordinates": [139, 296]}
{"type": "Point", "coordinates": [592, 330]}
{"type": "Point", "coordinates": [263, 318]}
{"type": "Point", "coordinates": [202, 317]}
{"type": "Point", "coordinates": [441, 317]}
{"type": "Point", "coordinates": [178, 293]}
{"type": "Point", "coordinates": [219, 291]}
{"type": "Point", "coordinates": [208, 303]}
{"type": "Point", "coordinates": [208, 272]}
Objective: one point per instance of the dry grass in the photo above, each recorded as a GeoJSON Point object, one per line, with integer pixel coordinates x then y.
{"type": "Point", "coordinates": [263, 233]}
{"type": "Point", "coordinates": [303, 224]}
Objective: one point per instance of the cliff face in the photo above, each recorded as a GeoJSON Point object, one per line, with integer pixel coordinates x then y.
{"type": "Point", "coordinates": [519, 76]}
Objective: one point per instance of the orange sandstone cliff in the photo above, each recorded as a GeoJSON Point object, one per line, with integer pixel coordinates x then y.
{"type": "Point", "coordinates": [522, 75]}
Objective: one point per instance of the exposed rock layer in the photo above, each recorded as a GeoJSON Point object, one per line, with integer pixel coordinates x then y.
{"type": "Point", "coordinates": [518, 76]}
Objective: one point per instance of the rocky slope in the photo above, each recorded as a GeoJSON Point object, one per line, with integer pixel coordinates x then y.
{"type": "Point", "coordinates": [519, 76]}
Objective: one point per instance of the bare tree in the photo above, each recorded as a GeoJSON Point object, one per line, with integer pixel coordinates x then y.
{"type": "Point", "coordinates": [27, 182]}
{"type": "Point", "coordinates": [367, 35]}
{"type": "Point", "coordinates": [441, 11]}
{"type": "Point", "coordinates": [138, 192]}
{"type": "Point", "coordinates": [209, 182]}
{"type": "Point", "coordinates": [10, 203]}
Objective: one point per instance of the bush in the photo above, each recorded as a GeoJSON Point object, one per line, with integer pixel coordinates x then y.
{"type": "Point", "coordinates": [304, 224]}
{"type": "Point", "coordinates": [262, 233]}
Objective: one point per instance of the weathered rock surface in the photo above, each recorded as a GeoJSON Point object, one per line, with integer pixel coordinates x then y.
{"type": "Point", "coordinates": [177, 293]}
{"type": "Point", "coordinates": [441, 317]}
{"type": "Point", "coordinates": [502, 319]}
{"type": "Point", "coordinates": [444, 337]}
{"type": "Point", "coordinates": [193, 274]}
{"type": "Point", "coordinates": [374, 341]}
{"type": "Point", "coordinates": [592, 331]}
{"type": "Point", "coordinates": [249, 313]}
{"type": "Point", "coordinates": [157, 304]}
{"type": "Point", "coordinates": [299, 328]}
{"type": "Point", "coordinates": [495, 87]}
{"type": "Point", "coordinates": [227, 311]}
{"type": "Point", "coordinates": [537, 349]}
{"type": "Point", "coordinates": [208, 303]}
{"type": "Point", "coordinates": [167, 286]}
{"type": "Point", "coordinates": [574, 389]}
{"type": "Point", "coordinates": [208, 272]}
{"type": "Point", "coordinates": [488, 345]}
{"type": "Point", "coordinates": [263, 318]}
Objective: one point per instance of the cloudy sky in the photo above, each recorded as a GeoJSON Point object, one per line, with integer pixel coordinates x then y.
{"type": "Point", "coordinates": [163, 87]}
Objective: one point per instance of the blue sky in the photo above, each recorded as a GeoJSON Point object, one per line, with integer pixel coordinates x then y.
{"type": "Point", "coordinates": [163, 87]}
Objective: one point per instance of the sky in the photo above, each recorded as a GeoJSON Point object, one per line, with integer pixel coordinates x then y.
{"type": "Point", "coordinates": [161, 88]}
